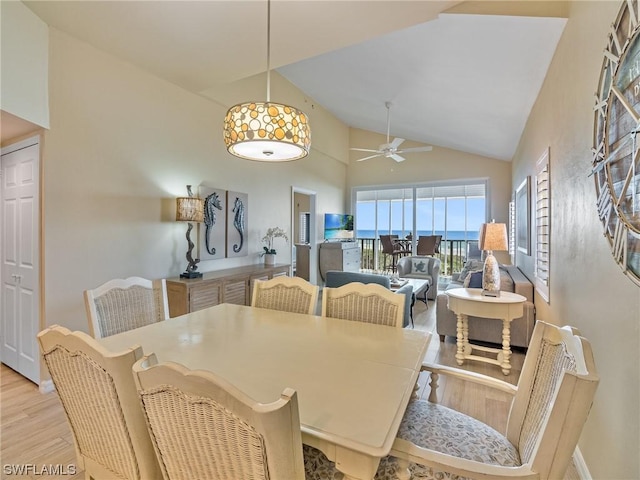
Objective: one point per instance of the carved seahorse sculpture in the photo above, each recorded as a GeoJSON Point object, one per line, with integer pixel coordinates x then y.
{"type": "Point", "coordinates": [210, 204]}
{"type": "Point", "coordinates": [238, 223]}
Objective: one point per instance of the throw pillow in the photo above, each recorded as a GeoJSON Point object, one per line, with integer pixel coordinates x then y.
{"type": "Point", "coordinates": [473, 280]}
{"type": "Point", "coordinates": [470, 266]}
{"type": "Point", "coordinates": [419, 266]}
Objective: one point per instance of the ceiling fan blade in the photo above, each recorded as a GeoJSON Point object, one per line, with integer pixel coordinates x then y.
{"type": "Point", "coordinates": [363, 150]}
{"type": "Point", "coordinates": [397, 157]}
{"type": "Point", "coordinates": [367, 158]}
{"type": "Point", "coordinates": [396, 142]}
{"type": "Point", "coordinates": [415, 149]}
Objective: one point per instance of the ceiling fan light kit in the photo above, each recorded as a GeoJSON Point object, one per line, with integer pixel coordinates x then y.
{"type": "Point", "coordinates": [267, 131]}
{"type": "Point", "coordinates": [390, 149]}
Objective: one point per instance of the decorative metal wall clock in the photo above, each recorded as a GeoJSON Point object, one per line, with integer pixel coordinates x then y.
{"type": "Point", "coordinates": [616, 140]}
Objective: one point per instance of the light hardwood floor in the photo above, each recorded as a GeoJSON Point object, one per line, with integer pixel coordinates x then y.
{"type": "Point", "coordinates": [34, 431]}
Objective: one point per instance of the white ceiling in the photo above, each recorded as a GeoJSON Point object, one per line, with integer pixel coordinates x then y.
{"type": "Point", "coordinates": [461, 81]}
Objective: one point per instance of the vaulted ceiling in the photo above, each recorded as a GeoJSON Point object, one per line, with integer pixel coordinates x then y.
{"type": "Point", "coordinates": [461, 75]}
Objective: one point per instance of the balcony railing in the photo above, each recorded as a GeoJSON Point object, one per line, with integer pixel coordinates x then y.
{"type": "Point", "coordinates": [452, 255]}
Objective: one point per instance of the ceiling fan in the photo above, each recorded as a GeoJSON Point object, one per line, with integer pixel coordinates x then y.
{"type": "Point", "coordinates": [390, 149]}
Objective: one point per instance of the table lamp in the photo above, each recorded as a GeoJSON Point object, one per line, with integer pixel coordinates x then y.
{"type": "Point", "coordinates": [190, 209]}
{"type": "Point", "coordinates": [493, 236]}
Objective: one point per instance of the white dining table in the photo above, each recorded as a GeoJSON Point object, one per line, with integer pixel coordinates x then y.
{"type": "Point", "coordinates": [353, 379]}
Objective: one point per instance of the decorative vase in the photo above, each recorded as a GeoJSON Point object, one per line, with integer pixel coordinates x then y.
{"type": "Point", "coordinates": [270, 259]}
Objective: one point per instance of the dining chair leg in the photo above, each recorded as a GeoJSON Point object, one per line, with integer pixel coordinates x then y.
{"type": "Point", "coordinates": [403, 469]}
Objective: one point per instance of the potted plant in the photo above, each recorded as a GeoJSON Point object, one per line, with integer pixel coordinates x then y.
{"type": "Point", "coordinates": [270, 252]}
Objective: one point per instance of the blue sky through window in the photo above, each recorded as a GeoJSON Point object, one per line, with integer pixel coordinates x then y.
{"type": "Point", "coordinates": [461, 214]}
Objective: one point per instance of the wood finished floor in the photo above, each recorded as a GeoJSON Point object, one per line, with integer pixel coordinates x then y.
{"type": "Point", "coordinates": [33, 428]}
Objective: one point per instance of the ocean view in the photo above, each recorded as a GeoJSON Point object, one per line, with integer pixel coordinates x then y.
{"type": "Point", "coordinates": [450, 235]}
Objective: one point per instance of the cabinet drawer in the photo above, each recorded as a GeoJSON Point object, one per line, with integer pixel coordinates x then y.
{"type": "Point", "coordinates": [351, 254]}
{"type": "Point", "coordinates": [204, 296]}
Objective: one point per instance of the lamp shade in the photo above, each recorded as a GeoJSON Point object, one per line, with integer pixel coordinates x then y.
{"type": "Point", "coordinates": [493, 236]}
{"type": "Point", "coordinates": [189, 209]}
{"type": "Point", "coordinates": [267, 132]}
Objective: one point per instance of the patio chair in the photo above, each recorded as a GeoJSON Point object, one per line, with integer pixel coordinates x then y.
{"type": "Point", "coordinates": [287, 294]}
{"type": "Point", "coordinates": [473, 250]}
{"type": "Point", "coordinates": [99, 398]}
{"type": "Point", "coordinates": [392, 248]}
{"type": "Point", "coordinates": [124, 304]}
{"type": "Point", "coordinates": [428, 245]}
{"type": "Point", "coordinates": [371, 303]}
{"type": "Point", "coordinates": [549, 409]}
{"type": "Point", "coordinates": [204, 427]}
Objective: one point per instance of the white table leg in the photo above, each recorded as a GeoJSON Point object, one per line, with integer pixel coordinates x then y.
{"type": "Point", "coordinates": [462, 337]}
{"type": "Point", "coordinates": [506, 347]}
{"type": "Point", "coordinates": [356, 466]}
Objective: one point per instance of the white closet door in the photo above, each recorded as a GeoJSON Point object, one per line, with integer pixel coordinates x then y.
{"type": "Point", "coordinates": [20, 296]}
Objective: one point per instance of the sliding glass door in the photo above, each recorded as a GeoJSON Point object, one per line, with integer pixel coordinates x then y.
{"type": "Point", "coordinates": [454, 210]}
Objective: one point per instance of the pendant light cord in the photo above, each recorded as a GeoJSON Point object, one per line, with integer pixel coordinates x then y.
{"type": "Point", "coordinates": [268, 51]}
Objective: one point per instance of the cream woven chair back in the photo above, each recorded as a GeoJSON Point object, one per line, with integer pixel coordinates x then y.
{"type": "Point", "coordinates": [555, 393]}
{"type": "Point", "coordinates": [287, 294]}
{"type": "Point", "coordinates": [203, 427]}
{"type": "Point", "coordinates": [124, 304]}
{"type": "Point", "coordinates": [99, 397]}
{"type": "Point", "coordinates": [370, 303]}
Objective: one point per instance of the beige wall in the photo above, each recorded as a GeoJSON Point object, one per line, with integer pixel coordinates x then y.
{"type": "Point", "coordinates": [122, 145]}
{"type": "Point", "coordinates": [24, 72]}
{"type": "Point", "coordinates": [587, 289]}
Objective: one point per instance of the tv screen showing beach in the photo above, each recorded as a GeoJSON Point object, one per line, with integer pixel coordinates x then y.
{"type": "Point", "coordinates": [338, 226]}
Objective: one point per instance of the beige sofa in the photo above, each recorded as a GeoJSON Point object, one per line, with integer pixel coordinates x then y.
{"type": "Point", "coordinates": [487, 330]}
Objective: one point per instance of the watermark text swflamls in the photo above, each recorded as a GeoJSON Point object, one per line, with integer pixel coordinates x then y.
{"type": "Point", "coordinates": [44, 469]}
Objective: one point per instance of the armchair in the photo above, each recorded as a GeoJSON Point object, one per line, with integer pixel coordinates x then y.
{"type": "Point", "coordinates": [424, 268]}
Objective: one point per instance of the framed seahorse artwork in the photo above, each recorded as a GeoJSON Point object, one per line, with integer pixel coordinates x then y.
{"type": "Point", "coordinates": [237, 224]}
{"type": "Point", "coordinates": [212, 236]}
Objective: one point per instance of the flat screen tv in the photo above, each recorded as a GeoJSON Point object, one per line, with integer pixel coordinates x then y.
{"type": "Point", "coordinates": [338, 226]}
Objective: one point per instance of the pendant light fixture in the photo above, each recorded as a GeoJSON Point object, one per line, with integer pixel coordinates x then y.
{"type": "Point", "coordinates": [267, 131]}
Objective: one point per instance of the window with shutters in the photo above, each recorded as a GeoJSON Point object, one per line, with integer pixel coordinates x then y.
{"type": "Point", "coordinates": [543, 226]}
{"type": "Point", "coordinates": [512, 230]}
{"type": "Point", "coordinates": [303, 228]}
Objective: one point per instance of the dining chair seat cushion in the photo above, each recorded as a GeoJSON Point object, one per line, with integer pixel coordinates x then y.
{"type": "Point", "coordinates": [435, 427]}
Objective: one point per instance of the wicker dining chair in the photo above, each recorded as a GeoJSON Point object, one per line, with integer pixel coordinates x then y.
{"type": "Point", "coordinates": [550, 406]}
{"type": "Point", "coordinates": [204, 427]}
{"type": "Point", "coordinates": [371, 303]}
{"type": "Point", "coordinates": [287, 294]}
{"type": "Point", "coordinates": [99, 398]}
{"type": "Point", "coordinates": [124, 304]}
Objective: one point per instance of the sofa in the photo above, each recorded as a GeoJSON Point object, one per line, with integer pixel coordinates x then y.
{"type": "Point", "coordinates": [484, 329]}
{"type": "Point", "coordinates": [424, 268]}
{"type": "Point", "coordinates": [336, 278]}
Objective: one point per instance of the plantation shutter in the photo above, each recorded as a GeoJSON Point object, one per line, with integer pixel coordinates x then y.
{"type": "Point", "coordinates": [543, 226]}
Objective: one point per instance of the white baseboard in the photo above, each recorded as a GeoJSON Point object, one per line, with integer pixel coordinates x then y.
{"type": "Point", "coordinates": [581, 466]}
{"type": "Point", "coordinates": [46, 386]}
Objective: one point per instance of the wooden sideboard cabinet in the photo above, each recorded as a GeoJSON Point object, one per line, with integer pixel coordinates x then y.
{"type": "Point", "coordinates": [232, 285]}
{"type": "Point", "coordinates": [344, 256]}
